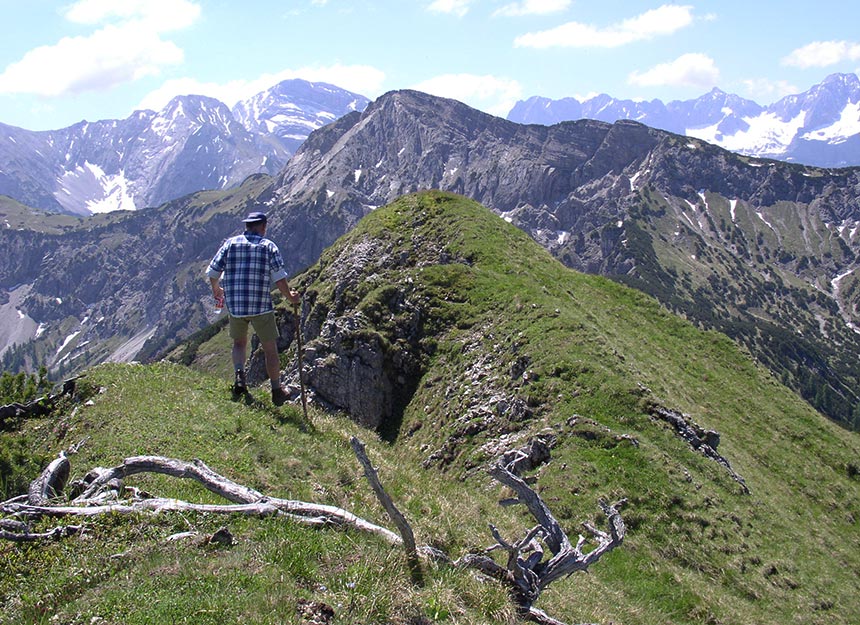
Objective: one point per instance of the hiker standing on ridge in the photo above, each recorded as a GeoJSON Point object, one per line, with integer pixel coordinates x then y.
{"type": "Point", "coordinates": [248, 264]}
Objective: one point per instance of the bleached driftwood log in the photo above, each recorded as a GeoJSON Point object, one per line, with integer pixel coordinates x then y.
{"type": "Point", "coordinates": [246, 500]}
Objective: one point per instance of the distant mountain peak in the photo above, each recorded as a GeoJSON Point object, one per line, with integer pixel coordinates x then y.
{"type": "Point", "coordinates": [818, 127]}
{"type": "Point", "coordinates": [847, 80]}
{"type": "Point", "coordinates": [294, 108]}
{"type": "Point", "coordinates": [194, 143]}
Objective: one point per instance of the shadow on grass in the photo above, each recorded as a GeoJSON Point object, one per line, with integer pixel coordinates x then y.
{"type": "Point", "coordinates": [286, 414]}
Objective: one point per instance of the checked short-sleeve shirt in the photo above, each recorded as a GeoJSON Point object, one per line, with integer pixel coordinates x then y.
{"type": "Point", "coordinates": [250, 263]}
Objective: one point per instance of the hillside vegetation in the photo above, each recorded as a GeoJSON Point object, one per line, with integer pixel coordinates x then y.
{"type": "Point", "coordinates": [495, 343]}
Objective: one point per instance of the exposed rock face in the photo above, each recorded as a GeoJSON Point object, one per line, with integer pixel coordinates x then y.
{"type": "Point", "coordinates": [349, 365]}
{"type": "Point", "coordinates": [714, 235]}
{"type": "Point", "coordinates": [700, 439]}
{"type": "Point", "coordinates": [290, 110]}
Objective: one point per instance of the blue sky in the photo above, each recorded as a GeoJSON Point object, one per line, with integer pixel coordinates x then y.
{"type": "Point", "coordinates": [62, 62]}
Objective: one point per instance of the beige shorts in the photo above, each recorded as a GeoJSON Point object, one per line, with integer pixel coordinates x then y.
{"type": "Point", "coordinates": [264, 325]}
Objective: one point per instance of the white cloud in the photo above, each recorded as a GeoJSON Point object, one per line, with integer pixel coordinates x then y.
{"type": "Point", "coordinates": [767, 89]}
{"type": "Point", "coordinates": [454, 7]}
{"type": "Point", "coordinates": [663, 20]}
{"type": "Point", "coordinates": [532, 7]}
{"type": "Point", "coordinates": [490, 94]}
{"type": "Point", "coordinates": [822, 54]}
{"type": "Point", "coordinates": [688, 70]}
{"type": "Point", "coordinates": [156, 15]}
{"type": "Point", "coordinates": [126, 48]}
{"type": "Point", "coordinates": [100, 61]}
{"type": "Point", "coordinates": [361, 79]}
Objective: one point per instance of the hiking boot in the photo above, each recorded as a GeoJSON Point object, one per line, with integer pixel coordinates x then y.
{"type": "Point", "coordinates": [279, 396]}
{"type": "Point", "coordinates": [239, 385]}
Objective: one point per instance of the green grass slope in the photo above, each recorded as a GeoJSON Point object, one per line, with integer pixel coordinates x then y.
{"type": "Point", "coordinates": [578, 359]}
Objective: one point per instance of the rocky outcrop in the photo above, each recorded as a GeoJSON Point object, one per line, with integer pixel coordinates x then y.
{"type": "Point", "coordinates": [698, 438]}
{"type": "Point", "coordinates": [714, 235]}
{"type": "Point", "coordinates": [352, 362]}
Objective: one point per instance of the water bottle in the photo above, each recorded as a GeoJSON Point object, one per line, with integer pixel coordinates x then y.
{"type": "Point", "coordinates": [219, 305]}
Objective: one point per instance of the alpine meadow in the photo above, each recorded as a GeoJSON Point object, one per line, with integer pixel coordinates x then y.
{"type": "Point", "coordinates": [445, 339]}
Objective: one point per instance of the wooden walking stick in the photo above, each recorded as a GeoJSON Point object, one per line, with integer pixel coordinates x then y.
{"type": "Point", "coordinates": [299, 358]}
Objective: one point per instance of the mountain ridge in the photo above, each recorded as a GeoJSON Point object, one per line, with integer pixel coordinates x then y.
{"type": "Point", "coordinates": [505, 353]}
{"type": "Point", "coordinates": [194, 143]}
{"type": "Point", "coordinates": [761, 250]}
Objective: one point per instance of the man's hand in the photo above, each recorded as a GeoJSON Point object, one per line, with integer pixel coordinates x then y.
{"type": "Point", "coordinates": [287, 291]}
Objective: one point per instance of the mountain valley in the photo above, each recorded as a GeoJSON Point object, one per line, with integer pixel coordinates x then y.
{"type": "Point", "coordinates": [763, 251]}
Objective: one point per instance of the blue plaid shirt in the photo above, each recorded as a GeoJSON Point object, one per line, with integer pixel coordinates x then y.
{"type": "Point", "coordinates": [250, 265]}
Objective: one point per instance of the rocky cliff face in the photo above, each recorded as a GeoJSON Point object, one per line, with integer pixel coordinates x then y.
{"type": "Point", "coordinates": [750, 247]}
{"type": "Point", "coordinates": [379, 303]}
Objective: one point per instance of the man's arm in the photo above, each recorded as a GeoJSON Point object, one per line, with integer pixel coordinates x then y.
{"type": "Point", "coordinates": [217, 290]}
{"type": "Point", "coordinates": [215, 270]}
{"type": "Point", "coordinates": [215, 281]}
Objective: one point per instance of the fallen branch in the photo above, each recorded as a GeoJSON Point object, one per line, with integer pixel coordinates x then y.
{"type": "Point", "coordinates": [526, 573]}
{"type": "Point", "coordinates": [248, 500]}
{"type": "Point", "coordinates": [406, 534]}
{"type": "Point", "coordinates": [57, 532]}
{"type": "Point", "coordinates": [52, 481]}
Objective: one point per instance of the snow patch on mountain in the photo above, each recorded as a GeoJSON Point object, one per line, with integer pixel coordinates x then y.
{"type": "Point", "coordinates": [16, 327]}
{"type": "Point", "coordinates": [767, 135]}
{"type": "Point", "coordinates": [846, 126]}
{"type": "Point", "coordinates": [193, 143]}
{"type": "Point", "coordinates": [819, 127]}
{"type": "Point", "coordinates": [87, 189]}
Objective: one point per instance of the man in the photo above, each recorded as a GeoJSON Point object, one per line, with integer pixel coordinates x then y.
{"type": "Point", "coordinates": [249, 263]}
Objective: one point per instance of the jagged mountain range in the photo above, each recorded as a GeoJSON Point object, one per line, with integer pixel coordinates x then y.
{"type": "Point", "coordinates": [764, 251]}
{"type": "Point", "coordinates": [818, 127]}
{"type": "Point", "coordinates": [195, 143]}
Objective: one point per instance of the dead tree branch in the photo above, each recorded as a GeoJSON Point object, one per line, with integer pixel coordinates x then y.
{"type": "Point", "coordinates": [394, 514]}
{"type": "Point", "coordinates": [26, 536]}
{"type": "Point", "coordinates": [247, 500]}
{"type": "Point", "coordinates": [52, 481]}
{"type": "Point", "coordinates": [526, 573]}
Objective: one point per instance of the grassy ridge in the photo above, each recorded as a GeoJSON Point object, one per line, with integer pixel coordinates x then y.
{"type": "Point", "coordinates": [586, 357]}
